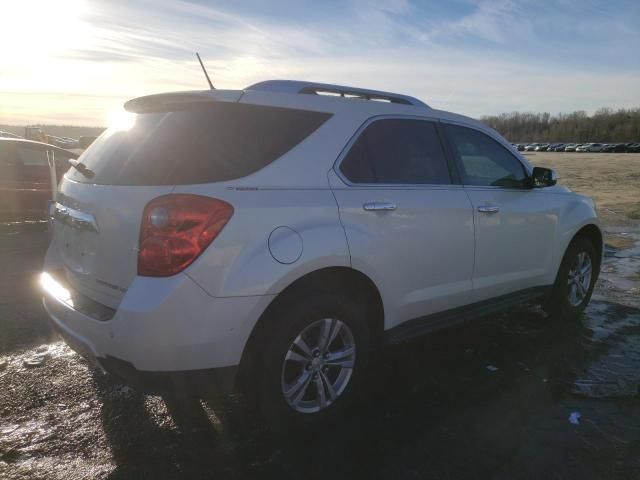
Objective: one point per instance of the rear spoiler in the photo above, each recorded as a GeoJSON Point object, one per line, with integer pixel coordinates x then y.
{"type": "Point", "coordinates": [165, 102]}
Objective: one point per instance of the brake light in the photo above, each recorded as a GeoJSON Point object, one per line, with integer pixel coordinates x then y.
{"type": "Point", "coordinates": [176, 229]}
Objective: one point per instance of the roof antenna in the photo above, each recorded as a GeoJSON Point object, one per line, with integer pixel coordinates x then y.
{"type": "Point", "coordinates": [205, 72]}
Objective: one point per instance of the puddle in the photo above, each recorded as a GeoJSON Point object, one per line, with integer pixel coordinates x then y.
{"type": "Point", "coordinates": [620, 273]}
{"type": "Point", "coordinates": [615, 328]}
{"type": "Point", "coordinates": [615, 370]}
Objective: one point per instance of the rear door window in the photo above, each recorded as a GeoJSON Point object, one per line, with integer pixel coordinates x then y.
{"type": "Point", "coordinates": [397, 151]}
{"type": "Point", "coordinates": [201, 143]}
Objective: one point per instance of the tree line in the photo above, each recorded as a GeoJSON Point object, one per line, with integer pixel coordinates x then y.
{"type": "Point", "coordinates": [605, 125]}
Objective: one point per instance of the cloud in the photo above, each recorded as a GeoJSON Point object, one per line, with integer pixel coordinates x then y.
{"type": "Point", "coordinates": [495, 21]}
{"type": "Point", "coordinates": [473, 58]}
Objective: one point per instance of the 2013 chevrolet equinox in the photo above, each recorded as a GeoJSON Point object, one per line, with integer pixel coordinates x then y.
{"type": "Point", "coordinates": [271, 238]}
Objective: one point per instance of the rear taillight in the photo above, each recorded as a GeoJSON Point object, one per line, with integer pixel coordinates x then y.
{"type": "Point", "coordinates": [176, 229]}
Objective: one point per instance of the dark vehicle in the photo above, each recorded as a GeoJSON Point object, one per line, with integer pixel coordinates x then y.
{"type": "Point", "coordinates": [521, 147]}
{"type": "Point", "coordinates": [560, 147]}
{"type": "Point", "coordinates": [25, 180]}
{"type": "Point", "coordinates": [615, 148]}
{"type": "Point", "coordinates": [620, 148]}
{"type": "Point", "coordinates": [632, 147]}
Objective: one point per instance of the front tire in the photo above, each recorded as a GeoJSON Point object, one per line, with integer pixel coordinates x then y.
{"type": "Point", "coordinates": [575, 281]}
{"type": "Point", "coordinates": [312, 360]}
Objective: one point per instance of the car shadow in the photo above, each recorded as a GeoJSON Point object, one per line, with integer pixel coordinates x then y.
{"type": "Point", "coordinates": [481, 400]}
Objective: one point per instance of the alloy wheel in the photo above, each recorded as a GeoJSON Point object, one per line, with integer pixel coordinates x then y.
{"type": "Point", "coordinates": [579, 279]}
{"type": "Point", "coordinates": [318, 365]}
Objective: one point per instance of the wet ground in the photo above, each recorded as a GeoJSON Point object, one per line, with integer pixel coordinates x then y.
{"type": "Point", "coordinates": [513, 396]}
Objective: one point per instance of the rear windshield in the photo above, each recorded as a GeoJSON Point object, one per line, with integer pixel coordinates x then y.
{"type": "Point", "coordinates": [201, 143]}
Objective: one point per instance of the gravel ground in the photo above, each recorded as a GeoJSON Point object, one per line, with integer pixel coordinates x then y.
{"type": "Point", "coordinates": [491, 399]}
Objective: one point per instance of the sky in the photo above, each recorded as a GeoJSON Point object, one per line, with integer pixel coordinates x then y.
{"type": "Point", "coordinates": [75, 62]}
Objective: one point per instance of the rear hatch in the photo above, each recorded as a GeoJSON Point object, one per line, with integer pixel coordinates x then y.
{"type": "Point", "coordinates": [168, 143]}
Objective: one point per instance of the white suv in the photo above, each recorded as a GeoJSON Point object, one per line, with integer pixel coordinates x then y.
{"type": "Point", "coordinates": [270, 239]}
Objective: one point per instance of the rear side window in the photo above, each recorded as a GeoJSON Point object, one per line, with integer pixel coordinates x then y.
{"type": "Point", "coordinates": [32, 156]}
{"type": "Point", "coordinates": [483, 161]}
{"type": "Point", "coordinates": [7, 154]}
{"type": "Point", "coordinates": [10, 167]}
{"type": "Point", "coordinates": [397, 151]}
{"type": "Point", "coordinates": [201, 143]}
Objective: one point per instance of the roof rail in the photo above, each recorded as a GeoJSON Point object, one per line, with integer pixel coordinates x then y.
{"type": "Point", "coordinates": [295, 86]}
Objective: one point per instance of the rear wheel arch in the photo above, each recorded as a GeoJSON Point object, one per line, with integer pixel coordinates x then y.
{"type": "Point", "coordinates": [343, 280]}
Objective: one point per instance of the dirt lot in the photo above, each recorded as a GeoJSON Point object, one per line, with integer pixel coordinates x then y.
{"type": "Point", "coordinates": [491, 399]}
{"type": "Point", "coordinates": [612, 179]}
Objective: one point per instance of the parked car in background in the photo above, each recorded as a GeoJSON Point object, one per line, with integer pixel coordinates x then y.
{"type": "Point", "coordinates": [531, 147]}
{"type": "Point", "coordinates": [560, 147]}
{"type": "Point", "coordinates": [542, 147]}
{"type": "Point", "coordinates": [571, 147]}
{"type": "Point", "coordinates": [85, 141]}
{"type": "Point", "coordinates": [25, 180]}
{"type": "Point", "coordinates": [63, 142]}
{"type": "Point", "coordinates": [589, 147]}
{"type": "Point", "coordinates": [521, 147]}
{"type": "Point", "coordinates": [609, 147]}
{"type": "Point", "coordinates": [595, 147]}
{"type": "Point", "coordinates": [633, 147]}
{"type": "Point", "coordinates": [271, 239]}
{"type": "Point", "coordinates": [4, 134]}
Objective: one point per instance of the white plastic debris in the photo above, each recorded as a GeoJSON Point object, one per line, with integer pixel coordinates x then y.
{"type": "Point", "coordinates": [34, 361]}
{"type": "Point", "coordinates": [574, 418]}
{"type": "Point", "coordinates": [492, 368]}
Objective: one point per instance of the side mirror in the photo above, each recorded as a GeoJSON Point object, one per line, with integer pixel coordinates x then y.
{"type": "Point", "coordinates": [543, 177]}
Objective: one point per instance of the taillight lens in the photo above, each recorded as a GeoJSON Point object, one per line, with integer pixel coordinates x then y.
{"type": "Point", "coordinates": [176, 229]}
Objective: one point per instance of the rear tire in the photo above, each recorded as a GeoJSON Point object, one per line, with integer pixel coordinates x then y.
{"type": "Point", "coordinates": [574, 283]}
{"type": "Point", "coordinates": [311, 360]}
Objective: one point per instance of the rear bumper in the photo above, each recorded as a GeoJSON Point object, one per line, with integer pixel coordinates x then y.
{"type": "Point", "coordinates": [166, 333]}
{"type": "Point", "coordinates": [209, 381]}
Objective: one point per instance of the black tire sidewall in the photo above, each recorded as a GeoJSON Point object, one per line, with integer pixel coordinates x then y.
{"type": "Point", "coordinates": [559, 305]}
{"type": "Point", "coordinates": [286, 322]}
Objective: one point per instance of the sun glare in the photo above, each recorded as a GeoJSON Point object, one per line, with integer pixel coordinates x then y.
{"type": "Point", "coordinates": [34, 29]}
{"type": "Point", "coordinates": [121, 120]}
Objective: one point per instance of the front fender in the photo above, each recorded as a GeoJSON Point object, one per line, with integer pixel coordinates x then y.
{"type": "Point", "coordinates": [578, 212]}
